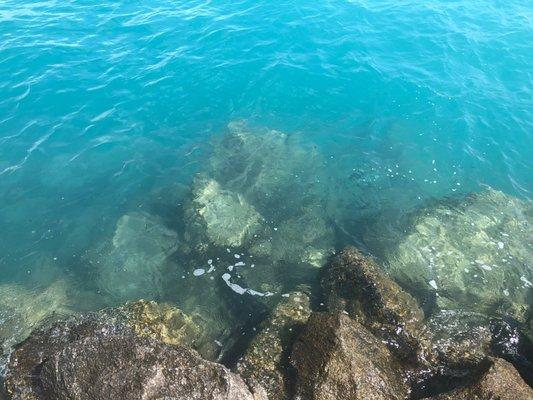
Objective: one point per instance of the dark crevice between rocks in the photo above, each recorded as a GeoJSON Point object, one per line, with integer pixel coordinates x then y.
{"type": "Point", "coordinates": [3, 394]}
{"type": "Point", "coordinates": [432, 383]}
{"type": "Point", "coordinates": [285, 366]}
{"type": "Point", "coordinates": [509, 343]}
{"type": "Point", "coordinates": [36, 378]}
{"type": "Point", "coordinates": [253, 312]}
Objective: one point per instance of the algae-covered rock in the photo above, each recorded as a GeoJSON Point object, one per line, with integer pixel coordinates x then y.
{"type": "Point", "coordinates": [168, 324]}
{"type": "Point", "coordinates": [353, 283]}
{"type": "Point", "coordinates": [90, 358]}
{"type": "Point", "coordinates": [500, 382]}
{"type": "Point", "coordinates": [133, 264]}
{"type": "Point", "coordinates": [475, 253]}
{"type": "Point", "coordinates": [337, 358]}
{"type": "Point", "coordinates": [225, 216]}
{"type": "Point", "coordinates": [265, 361]}
{"type": "Point", "coordinates": [22, 310]}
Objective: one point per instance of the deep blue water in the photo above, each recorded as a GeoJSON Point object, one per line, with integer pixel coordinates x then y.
{"type": "Point", "coordinates": [109, 107]}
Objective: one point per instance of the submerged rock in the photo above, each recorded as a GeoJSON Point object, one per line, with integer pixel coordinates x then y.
{"type": "Point", "coordinates": [276, 172]}
{"type": "Point", "coordinates": [337, 358]}
{"type": "Point", "coordinates": [355, 284]}
{"type": "Point", "coordinates": [265, 361]}
{"type": "Point", "coordinates": [90, 358]}
{"type": "Point", "coordinates": [473, 253]}
{"type": "Point", "coordinates": [225, 216]}
{"type": "Point", "coordinates": [22, 310]}
{"type": "Point", "coordinates": [304, 238]}
{"type": "Point", "coordinates": [260, 194]}
{"type": "Point", "coordinates": [134, 263]}
{"type": "Point", "coordinates": [501, 381]}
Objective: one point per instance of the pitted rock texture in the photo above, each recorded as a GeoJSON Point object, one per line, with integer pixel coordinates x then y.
{"type": "Point", "coordinates": [90, 359]}
{"type": "Point", "coordinates": [265, 362]}
{"type": "Point", "coordinates": [337, 358]}
{"type": "Point", "coordinates": [353, 283]}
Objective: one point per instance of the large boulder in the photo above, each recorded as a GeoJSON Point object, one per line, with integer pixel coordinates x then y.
{"type": "Point", "coordinates": [261, 194]}
{"type": "Point", "coordinates": [337, 358]}
{"type": "Point", "coordinates": [134, 263]}
{"type": "Point", "coordinates": [501, 381]}
{"type": "Point", "coordinates": [265, 362]}
{"type": "Point", "coordinates": [471, 253]}
{"type": "Point", "coordinates": [353, 283]}
{"type": "Point", "coordinates": [91, 358]}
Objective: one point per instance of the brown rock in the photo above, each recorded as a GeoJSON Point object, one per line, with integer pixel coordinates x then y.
{"type": "Point", "coordinates": [500, 382]}
{"type": "Point", "coordinates": [337, 358]}
{"type": "Point", "coordinates": [353, 283]}
{"type": "Point", "coordinates": [266, 359]}
{"type": "Point", "coordinates": [169, 324]}
{"type": "Point", "coordinates": [89, 359]}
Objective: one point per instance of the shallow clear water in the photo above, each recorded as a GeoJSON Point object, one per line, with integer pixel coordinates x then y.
{"type": "Point", "coordinates": [109, 108]}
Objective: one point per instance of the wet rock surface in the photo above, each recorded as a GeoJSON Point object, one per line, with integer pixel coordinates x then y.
{"type": "Point", "coordinates": [91, 358]}
{"type": "Point", "coordinates": [353, 283]}
{"type": "Point", "coordinates": [444, 351]}
{"type": "Point", "coordinates": [338, 358]}
{"type": "Point", "coordinates": [460, 340]}
{"type": "Point", "coordinates": [169, 324]}
{"type": "Point", "coordinates": [501, 381]}
{"type": "Point", "coordinates": [373, 343]}
{"type": "Point", "coordinates": [265, 361]}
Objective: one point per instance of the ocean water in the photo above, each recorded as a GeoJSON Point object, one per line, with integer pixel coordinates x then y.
{"type": "Point", "coordinates": [111, 108]}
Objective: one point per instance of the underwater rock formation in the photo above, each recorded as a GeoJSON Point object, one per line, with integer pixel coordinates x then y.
{"type": "Point", "coordinates": [133, 264]}
{"type": "Point", "coordinates": [261, 194]}
{"type": "Point", "coordinates": [501, 381]}
{"type": "Point", "coordinates": [353, 283]}
{"type": "Point", "coordinates": [472, 253]}
{"type": "Point", "coordinates": [265, 361]}
{"type": "Point", "coordinates": [225, 216]}
{"type": "Point", "coordinates": [337, 358]}
{"type": "Point", "coordinates": [91, 358]}
{"type": "Point", "coordinates": [303, 238]}
{"type": "Point", "coordinates": [22, 310]}
{"type": "Point", "coordinates": [276, 172]}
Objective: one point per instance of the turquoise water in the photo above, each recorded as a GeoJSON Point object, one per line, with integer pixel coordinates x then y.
{"type": "Point", "coordinates": [109, 108]}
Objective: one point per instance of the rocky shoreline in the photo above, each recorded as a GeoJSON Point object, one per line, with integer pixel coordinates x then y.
{"type": "Point", "coordinates": [240, 294]}
{"type": "Point", "coordinates": [363, 338]}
